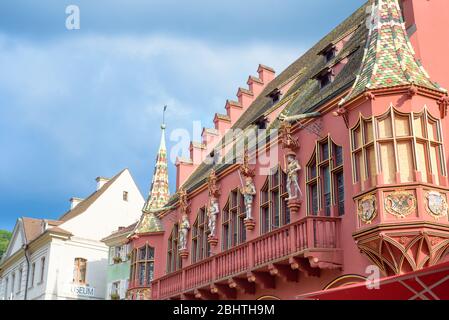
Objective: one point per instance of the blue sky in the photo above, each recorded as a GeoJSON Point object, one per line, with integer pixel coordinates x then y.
{"type": "Point", "coordinates": [84, 103]}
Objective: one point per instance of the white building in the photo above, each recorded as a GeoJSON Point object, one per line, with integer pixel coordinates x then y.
{"type": "Point", "coordinates": [65, 258]}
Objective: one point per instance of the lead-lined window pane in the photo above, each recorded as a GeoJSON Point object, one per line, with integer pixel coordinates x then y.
{"type": "Point", "coordinates": [385, 129]}
{"type": "Point", "coordinates": [387, 158]}
{"type": "Point", "coordinates": [402, 126]}
{"type": "Point", "coordinates": [405, 157]}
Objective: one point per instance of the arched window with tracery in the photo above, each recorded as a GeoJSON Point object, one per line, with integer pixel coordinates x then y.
{"type": "Point", "coordinates": [234, 232]}
{"type": "Point", "coordinates": [200, 232]}
{"type": "Point", "coordinates": [173, 259]}
{"type": "Point", "coordinates": [325, 180]}
{"type": "Point", "coordinates": [274, 212]}
{"type": "Point", "coordinates": [142, 265]}
{"type": "Point", "coordinates": [394, 145]}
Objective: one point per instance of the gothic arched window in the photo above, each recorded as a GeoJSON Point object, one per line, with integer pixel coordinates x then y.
{"type": "Point", "coordinates": [173, 260]}
{"type": "Point", "coordinates": [234, 232]}
{"type": "Point", "coordinates": [200, 232]}
{"type": "Point", "coordinates": [142, 265]}
{"type": "Point", "coordinates": [274, 212]}
{"type": "Point", "coordinates": [325, 181]}
{"type": "Point", "coordinates": [395, 145]}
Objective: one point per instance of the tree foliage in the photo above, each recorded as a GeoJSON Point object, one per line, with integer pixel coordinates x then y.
{"type": "Point", "coordinates": [5, 236]}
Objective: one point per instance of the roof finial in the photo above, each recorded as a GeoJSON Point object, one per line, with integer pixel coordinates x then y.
{"type": "Point", "coordinates": [163, 118]}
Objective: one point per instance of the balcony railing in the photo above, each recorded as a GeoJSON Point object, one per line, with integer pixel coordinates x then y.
{"type": "Point", "coordinates": [310, 233]}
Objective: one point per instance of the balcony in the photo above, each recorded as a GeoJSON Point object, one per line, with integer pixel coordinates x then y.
{"type": "Point", "coordinates": [307, 245]}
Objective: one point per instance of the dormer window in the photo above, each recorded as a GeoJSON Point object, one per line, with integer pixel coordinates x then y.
{"type": "Point", "coordinates": [275, 95]}
{"type": "Point", "coordinates": [261, 123]}
{"type": "Point", "coordinates": [325, 79]}
{"type": "Point", "coordinates": [329, 52]}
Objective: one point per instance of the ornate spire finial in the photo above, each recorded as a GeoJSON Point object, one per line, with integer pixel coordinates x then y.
{"type": "Point", "coordinates": [159, 192]}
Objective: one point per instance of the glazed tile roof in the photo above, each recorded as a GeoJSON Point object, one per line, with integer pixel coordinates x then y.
{"type": "Point", "coordinates": [389, 59]}
{"type": "Point", "coordinates": [159, 192]}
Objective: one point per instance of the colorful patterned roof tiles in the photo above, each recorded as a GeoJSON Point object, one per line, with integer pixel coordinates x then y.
{"type": "Point", "coordinates": [389, 59]}
{"type": "Point", "coordinates": [159, 192]}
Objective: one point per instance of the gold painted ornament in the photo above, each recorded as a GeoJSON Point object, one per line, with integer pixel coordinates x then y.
{"type": "Point", "coordinates": [367, 209]}
{"type": "Point", "coordinates": [436, 204]}
{"type": "Point", "coordinates": [400, 204]}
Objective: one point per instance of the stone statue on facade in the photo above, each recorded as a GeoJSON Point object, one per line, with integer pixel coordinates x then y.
{"type": "Point", "coordinates": [292, 178]}
{"type": "Point", "coordinates": [213, 207]}
{"type": "Point", "coordinates": [184, 224]}
{"type": "Point", "coordinates": [212, 214]}
{"type": "Point", "coordinates": [248, 191]}
{"type": "Point", "coordinates": [184, 228]}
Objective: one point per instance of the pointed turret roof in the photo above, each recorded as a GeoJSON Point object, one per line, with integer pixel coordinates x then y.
{"type": "Point", "coordinates": [389, 58]}
{"type": "Point", "coordinates": [159, 192]}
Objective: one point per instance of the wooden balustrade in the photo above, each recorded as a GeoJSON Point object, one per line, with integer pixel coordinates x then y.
{"type": "Point", "coordinates": [312, 232]}
{"type": "Point", "coordinates": [199, 273]}
{"type": "Point", "coordinates": [232, 261]}
{"type": "Point", "coordinates": [171, 285]}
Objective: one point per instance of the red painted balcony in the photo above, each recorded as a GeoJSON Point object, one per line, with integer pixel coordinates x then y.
{"type": "Point", "coordinates": [305, 245]}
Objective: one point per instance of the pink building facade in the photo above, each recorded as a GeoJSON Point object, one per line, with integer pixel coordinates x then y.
{"type": "Point", "coordinates": [364, 115]}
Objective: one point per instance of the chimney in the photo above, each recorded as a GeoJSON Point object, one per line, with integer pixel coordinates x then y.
{"type": "Point", "coordinates": [197, 152]}
{"type": "Point", "coordinates": [74, 202]}
{"type": "Point", "coordinates": [255, 85]}
{"type": "Point", "coordinates": [222, 123]}
{"type": "Point", "coordinates": [245, 97]}
{"type": "Point", "coordinates": [101, 182]}
{"type": "Point", "coordinates": [184, 168]}
{"type": "Point", "coordinates": [233, 110]}
{"type": "Point", "coordinates": [266, 74]}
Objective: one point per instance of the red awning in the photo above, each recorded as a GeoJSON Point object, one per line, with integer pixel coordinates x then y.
{"type": "Point", "coordinates": [427, 284]}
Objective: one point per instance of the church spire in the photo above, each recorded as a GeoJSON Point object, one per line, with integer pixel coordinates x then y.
{"type": "Point", "coordinates": [388, 59]}
{"type": "Point", "coordinates": [159, 192]}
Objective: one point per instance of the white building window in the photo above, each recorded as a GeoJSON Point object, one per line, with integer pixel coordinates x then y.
{"type": "Point", "coordinates": [33, 272]}
{"type": "Point", "coordinates": [125, 195]}
{"type": "Point", "coordinates": [79, 272]}
{"type": "Point", "coordinates": [19, 284]}
{"type": "Point", "coordinates": [41, 280]}
{"type": "Point", "coordinates": [115, 290]}
{"type": "Point", "coordinates": [6, 287]}
{"type": "Point", "coordinates": [13, 283]}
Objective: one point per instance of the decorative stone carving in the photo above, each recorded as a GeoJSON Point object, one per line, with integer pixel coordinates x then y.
{"type": "Point", "coordinates": [183, 203]}
{"type": "Point", "coordinates": [367, 209]}
{"type": "Point", "coordinates": [400, 204]}
{"type": "Point", "coordinates": [286, 138]}
{"type": "Point", "coordinates": [214, 189]}
{"type": "Point", "coordinates": [436, 204]}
